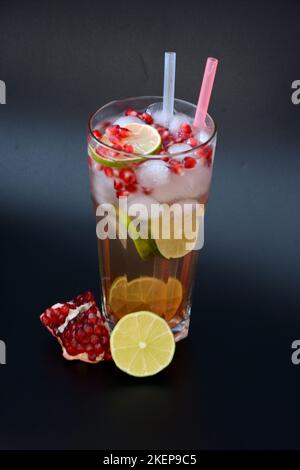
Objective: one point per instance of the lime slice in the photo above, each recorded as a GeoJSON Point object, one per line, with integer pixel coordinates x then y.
{"type": "Point", "coordinates": [177, 233]}
{"type": "Point", "coordinates": [142, 344]}
{"type": "Point", "coordinates": [145, 293]}
{"type": "Point", "coordinates": [113, 162]}
{"type": "Point", "coordinates": [145, 247]}
{"type": "Point", "coordinates": [145, 139]}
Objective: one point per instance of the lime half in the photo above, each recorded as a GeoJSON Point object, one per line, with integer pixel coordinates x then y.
{"type": "Point", "coordinates": [142, 344]}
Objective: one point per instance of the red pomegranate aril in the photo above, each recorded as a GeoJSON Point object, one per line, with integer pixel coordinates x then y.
{"type": "Point", "coordinates": [92, 319]}
{"type": "Point", "coordinates": [118, 184]}
{"type": "Point", "coordinates": [128, 175]}
{"type": "Point", "coordinates": [108, 171]}
{"type": "Point", "coordinates": [107, 356]}
{"type": "Point", "coordinates": [114, 140]}
{"type": "Point", "coordinates": [92, 356]}
{"type": "Point", "coordinates": [128, 148]}
{"type": "Point", "coordinates": [80, 335]}
{"type": "Point", "coordinates": [206, 154]}
{"type": "Point", "coordinates": [122, 193]}
{"type": "Point", "coordinates": [192, 142]}
{"type": "Point", "coordinates": [131, 188]}
{"type": "Point", "coordinates": [64, 309]}
{"type": "Point", "coordinates": [189, 162]}
{"type": "Point", "coordinates": [104, 340]}
{"type": "Point", "coordinates": [131, 112]}
{"type": "Point", "coordinates": [186, 128]}
{"type": "Point", "coordinates": [97, 134]}
{"type": "Point", "coordinates": [98, 330]}
{"type": "Point", "coordinates": [98, 348]}
{"type": "Point", "coordinates": [94, 339]}
{"type": "Point", "coordinates": [147, 191]}
{"type": "Point", "coordinates": [124, 132]}
{"type": "Point", "coordinates": [147, 118]}
{"type": "Point", "coordinates": [113, 130]}
{"type": "Point", "coordinates": [88, 330]}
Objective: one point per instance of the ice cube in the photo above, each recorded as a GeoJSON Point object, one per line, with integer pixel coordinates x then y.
{"type": "Point", "coordinates": [153, 173]}
{"type": "Point", "coordinates": [160, 118]}
{"type": "Point", "coordinates": [176, 121]}
{"type": "Point", "coordinates": [203, 135]}
{"type": "Point", "coordinates": [124, 120]}
{"type": "Point", "coordinates": [176, 148]}
{"type": "Point", "coordinates": [102, 187]}
{"type": "Point", "coordinates": [193, 183]}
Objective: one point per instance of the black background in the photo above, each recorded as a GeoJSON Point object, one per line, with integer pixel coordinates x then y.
{"type": "Point", "coordinates": [232, 383]}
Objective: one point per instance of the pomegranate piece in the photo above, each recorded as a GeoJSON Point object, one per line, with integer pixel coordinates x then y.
{"type": "Point", "coordinates": [206, 154]}
{"type": "Point", "coordinates": [79, 328]}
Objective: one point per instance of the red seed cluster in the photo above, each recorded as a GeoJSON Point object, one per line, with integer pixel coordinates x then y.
{"type": "Point", "coordinates": [86, 336]}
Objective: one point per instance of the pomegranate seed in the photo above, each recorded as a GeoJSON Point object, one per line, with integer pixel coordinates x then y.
{"type": "Point", "coordinates": [131, 188]}
{"type": "Point", "coordinates": [88, 330]}
{"type": "Point", "coordinates": [147, 191]}
{"type": "Point", "coordinates": [97, 134]}
{"type": "Point", "coordinates": [108, 171]}
{"type": "Point", "coordinates": [114, 140]}
{"type": "Point", "coordinates": [192, 142]}
{"type": "Point", "coordinates": [186, 128]}
{"type": "Point", "coordinates": [128, 148]}
{"type": "Point", "coordinates": [98, 348]}
{"type": "Point", "coordinates": [176, 166]}
{"type": "Point", "coordinates": [128, 175]}
{"type": "Point", "coordinates": [124, 132]}
{"type": "Point", "coordinates": [113, 130]}
{"type": "Point", "coordinates": [92, 319]}
{"type": "Point", "coordinates": [118, 184]}
{"type": "Point", "coordinates": [189, 162]}
{"type": "Point", "coordinates": [64, 309]}
{"type": "Point", "coordinates": [107, 356]}
{"type": "Point", "coordinates": [105, 124]}
{"type": "Point", "coordinates": [80, 335]}
{"type": "Point", "coordinates": [131, 112]}
{"type": "Point", "coordinates": [94, 339]}
{"type": "Point", "coordinates": [206, 154]}
{"type": "Point", "coordinates": [147, 118]}
{"type": "Point", "coordinates": [104, 340]}
{"type": "Point", "coordinates": [98, 329]}
{"type": "Point", "coordinates": [92, 356]}
{"type": "Point", "coordinates": [121, 193]}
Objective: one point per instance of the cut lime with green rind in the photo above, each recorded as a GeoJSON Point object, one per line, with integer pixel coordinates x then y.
{"type": "Point", "coordinates": [146, 248]}
{"type": "Point", "coordinates": [120, 163]}
{"type": "Point", "coordinates": [144, 138]}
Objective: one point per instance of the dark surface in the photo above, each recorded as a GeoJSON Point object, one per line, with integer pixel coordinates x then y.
{"type": "Point", "coordinates": [232, 383]}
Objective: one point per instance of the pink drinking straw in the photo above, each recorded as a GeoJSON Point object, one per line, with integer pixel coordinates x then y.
{"type": "Point", "coordinates": [205, 91]}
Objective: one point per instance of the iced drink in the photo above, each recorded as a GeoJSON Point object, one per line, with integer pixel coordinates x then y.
{"type": "Point", "coordinates": [138, 156]}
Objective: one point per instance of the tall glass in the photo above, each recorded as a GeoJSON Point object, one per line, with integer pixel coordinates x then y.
{"type": "Point", "coordinates": [135, 274]}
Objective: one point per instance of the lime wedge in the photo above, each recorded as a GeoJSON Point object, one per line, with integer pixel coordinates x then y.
{"type": "Point", "coordinates": [142, 344]}
{"type": "Point", "coordinates": [144, 246]}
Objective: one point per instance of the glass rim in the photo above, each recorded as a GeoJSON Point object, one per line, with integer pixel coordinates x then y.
{"type": "Point", "coordinates": [132, 156]}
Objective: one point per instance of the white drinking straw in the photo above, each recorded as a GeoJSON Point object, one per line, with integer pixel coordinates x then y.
{"type": "Point", "coordinates": [169, 84]}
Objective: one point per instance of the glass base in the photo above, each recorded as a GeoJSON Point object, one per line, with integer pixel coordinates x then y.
{"type": "Point", "coordinates": [180, 330]}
